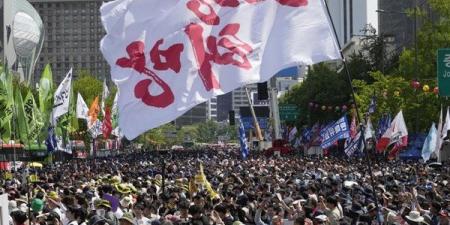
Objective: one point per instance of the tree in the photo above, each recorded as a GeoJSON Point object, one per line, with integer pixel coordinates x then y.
{"type": "Point", "coordinates": [434, 33]}
{"type": "Point", "coordinates": [88, 86]}
{"type": "Point", "coordinates": [322, 86]}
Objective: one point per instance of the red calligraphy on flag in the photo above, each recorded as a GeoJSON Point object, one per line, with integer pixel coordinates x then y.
{"type": "Point", "coordinates": [136, 61]}
{"type": "Point", "coordinates": [171, 55]}
{"type": "Point", "coordinates": [212, 18]}
{"type": "Point", "coordinates": [205, 59]}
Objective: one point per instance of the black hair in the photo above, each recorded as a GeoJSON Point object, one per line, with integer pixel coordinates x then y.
{"type": "Point", "coordinates": [19, 216]}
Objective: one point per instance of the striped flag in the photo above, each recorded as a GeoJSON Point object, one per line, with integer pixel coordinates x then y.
{"type": "Point", "coordinates": [243, 141]}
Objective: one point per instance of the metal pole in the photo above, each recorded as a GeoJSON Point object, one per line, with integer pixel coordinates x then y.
{"type": "Point", "coordinates": [163, 182]}
{"type": "Point", "coordinates": [369, 163]}
{"type": "Point", "coordinates": [255, 120]}
{"type": "Point", "coordinates": [275, 112]}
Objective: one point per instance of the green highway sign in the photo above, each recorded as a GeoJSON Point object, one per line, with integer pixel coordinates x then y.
{"type": "Point", "coordinates": [288, 112]}
{"type": "Point", "coordinates": [443, 71]}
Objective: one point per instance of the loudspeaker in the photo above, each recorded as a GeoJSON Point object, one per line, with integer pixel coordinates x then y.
{"type": "Point", "coordinates": [262, 91]}
{"type": "Point", "coordinates": [231, 117]}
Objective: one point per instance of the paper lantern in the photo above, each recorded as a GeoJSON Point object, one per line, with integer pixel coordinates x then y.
{"type": "Point", "coordinates": [415, 84]}
{"type": "Point", "coordinates": [330, 108]}
{"type": "Point", "coordinates": [311, 105]}
{"type": "Point", "coordinates": [426, 88]}
{"type": "Point", "coordinates": [344, 108]}
{"type": "Point", "coordinates": [337, 108]}
{"type": "Point", "coordinates": [324, 108]}
{"type": "Point", "coordinates": [396, 93]}
{"type": "Point", "coordinates": [436, 90]}
{"type": "Point", "coordinates": [316, 106]}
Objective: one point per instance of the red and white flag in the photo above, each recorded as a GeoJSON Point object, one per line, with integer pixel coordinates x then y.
{"type": "Point", "coordinates": [107, 126]}
{"type": "Point", "coordinates": [167, 56]}
{"type": "Point", "coordinates": [396, 135]}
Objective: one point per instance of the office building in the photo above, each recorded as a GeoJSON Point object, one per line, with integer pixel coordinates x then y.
{"type": "Point", "coordinates": [73, 31]}
{"type": "Point", "coordinates": [350, 18]}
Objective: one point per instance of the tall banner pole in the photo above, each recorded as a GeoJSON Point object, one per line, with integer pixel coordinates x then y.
{"type": "Point", "coordinates": [255, 120]}
{"type": "Point", "coordinates": [347, 71]}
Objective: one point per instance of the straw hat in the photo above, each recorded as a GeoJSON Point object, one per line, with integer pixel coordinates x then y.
{"type": "Point", "coordinates": [127, 217]}
{"type": "Point", "coordinates": [415, 217]}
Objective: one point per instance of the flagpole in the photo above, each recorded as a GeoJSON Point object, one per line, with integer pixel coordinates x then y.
{"type": "Point", "coordinates": [255, 120]}
{"type": "Point", "coordinates": [369, 166]}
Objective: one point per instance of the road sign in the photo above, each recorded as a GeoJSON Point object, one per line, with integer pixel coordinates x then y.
{"type": "Point", "coordinates": [288, 112]}
{"type": "Point", "coordinates": [443, 71]}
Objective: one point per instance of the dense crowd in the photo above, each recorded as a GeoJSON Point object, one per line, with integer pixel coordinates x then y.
{"type": "Point", "coordinates": [217, 187]}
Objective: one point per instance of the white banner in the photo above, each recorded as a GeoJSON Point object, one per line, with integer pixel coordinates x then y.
{"type": "Point", "coordinates": [164, 65]}
{"type": "Point", "coordinates": [82, 108]}
{"type": "Point", "coordinates": [61, 97]}
{"type": "Point", "coordinates": [105, 95]}
{"type": "Point", "coordinates": [96, 129]}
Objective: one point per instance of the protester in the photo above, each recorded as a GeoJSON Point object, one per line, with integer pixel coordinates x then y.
{"type": "Point", "coordinates": [217, 187]}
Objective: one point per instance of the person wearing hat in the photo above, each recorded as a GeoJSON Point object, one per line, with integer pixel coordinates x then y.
{"type": "Point", "coordinates": [414, 218]}
{"type": "Point", "coordinates": [103, 209]}
{"type": "Point", "coordinates": [127, 219]}
{"type": "Point", "coordinates": [37, 204]}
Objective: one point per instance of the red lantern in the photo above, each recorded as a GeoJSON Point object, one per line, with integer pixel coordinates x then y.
{"type": "Point", "coordinates": [415, 84]}
{"type": "Point", "coordinates": [436, 91]}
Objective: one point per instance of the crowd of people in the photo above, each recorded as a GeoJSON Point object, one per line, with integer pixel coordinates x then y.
{"type": "Point", "coordinates": [217, 187]}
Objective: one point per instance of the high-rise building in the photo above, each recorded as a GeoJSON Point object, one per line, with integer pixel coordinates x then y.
{"type": "Point", "coordinates": [73, 31]}
{"type": "Point", "coordinates": [224, 106]}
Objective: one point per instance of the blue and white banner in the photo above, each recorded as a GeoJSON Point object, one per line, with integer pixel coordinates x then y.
{"type": "Point", "coordinates": [243, 140]}
{"type": "Point", "coordinates": [353, 145]}
{"type": "Point", "coordinates": [335, 131]}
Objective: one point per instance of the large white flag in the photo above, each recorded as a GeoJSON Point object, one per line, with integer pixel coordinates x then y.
{"type": "Point", "coordinates": [82, 108]}
{"type": "Point", "coordinates": [164, 65]}
{"type": "Point", "coordinates": [446, 126]}
{"type": "Point", "coordinates": [105, 95]}
{"type": "Point", "coordinates": [61, 98]}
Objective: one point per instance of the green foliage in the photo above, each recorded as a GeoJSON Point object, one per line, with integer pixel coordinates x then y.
{"type": "Point", "coordinates": [323, 86]}
{"type": "Point", "coordinates": [88, 86]}
{"type": "Point", "coordinates": [393, 93]}
{"type": "Point", "coordinates": [433, 34]}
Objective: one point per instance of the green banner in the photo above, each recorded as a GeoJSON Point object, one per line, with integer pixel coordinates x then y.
{"type": "Point", "coordinates": [443, 71]}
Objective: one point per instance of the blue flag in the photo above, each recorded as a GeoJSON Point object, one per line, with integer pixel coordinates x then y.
{"type": "Point", "coordinates": [243, 140]}
{"type": "Point", "coordinates": [430, 143]}
{"type": "Point", "coordinates": [335, 131]}
{"type": "Point", "coordinates": [51, 141]}
{"type": "Point", "coordinates": [383, 124]}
